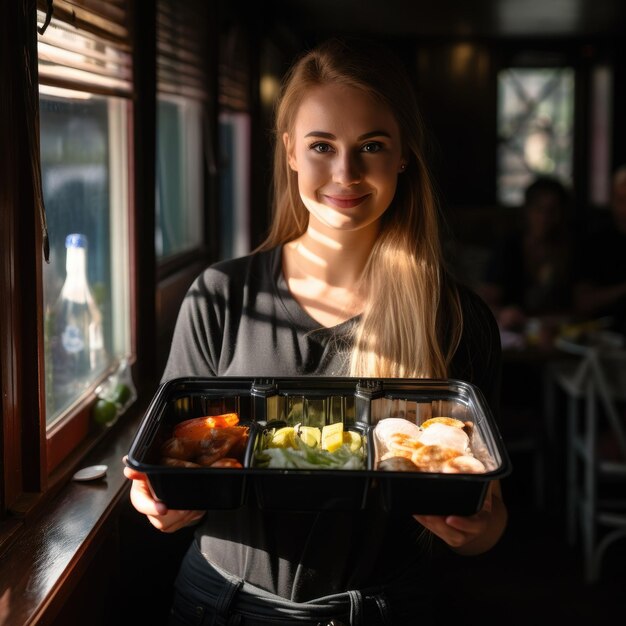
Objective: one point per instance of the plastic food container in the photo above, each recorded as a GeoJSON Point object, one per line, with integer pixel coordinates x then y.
{"type": "Point", "coordinates": [264, 406]}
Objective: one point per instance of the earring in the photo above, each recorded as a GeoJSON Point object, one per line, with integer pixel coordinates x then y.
{"type": "Point", "coordinates": [402, 167]}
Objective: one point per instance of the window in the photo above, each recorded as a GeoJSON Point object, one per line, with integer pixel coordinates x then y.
{"type": "Point", "coordinates": [235, 143]}
{"type": "Point", "coordinates": [535, 128]}
{"type": "Point", "coordinates": [182, 96]}
{"type": "Point", "coordinates": [85, 193]}
{"type": "Point", "coordinates": [85, 76]}
{"type": "Point", "coordinates": [77, 181]}
{"type": "Point", "coordinates": [601, 133]}
{"type": "Point", "coordinates": [234, 196]}
{"type": "Point", "coordinates": [180, 192]}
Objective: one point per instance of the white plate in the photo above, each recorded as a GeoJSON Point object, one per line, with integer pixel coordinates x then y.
{"type": "Point", "coordinates": [93, 472]}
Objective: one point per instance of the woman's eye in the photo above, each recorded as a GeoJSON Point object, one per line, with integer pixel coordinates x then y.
{"type": "Point", "coordinates": [372, 146]}
{"type": "Point", "coordinates": [321, 147]}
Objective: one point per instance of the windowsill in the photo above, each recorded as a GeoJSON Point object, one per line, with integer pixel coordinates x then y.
{"type": "Point", "coordinates": [46, 555]}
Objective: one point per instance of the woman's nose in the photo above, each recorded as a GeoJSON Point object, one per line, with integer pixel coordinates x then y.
{"type": "Point", "coordinates": [347, 169]}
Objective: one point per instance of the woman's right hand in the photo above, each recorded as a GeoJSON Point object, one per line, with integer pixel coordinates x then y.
{"type": "Point", "coordinates": [166, 520]}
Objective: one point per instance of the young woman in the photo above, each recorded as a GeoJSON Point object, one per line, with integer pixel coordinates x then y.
{"type": "Point", "coordinates": [349, 282]}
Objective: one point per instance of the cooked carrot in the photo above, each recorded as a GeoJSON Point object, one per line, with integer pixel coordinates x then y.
{"type": "Point", "coordinates": [198, 427]}
{"type": "Point", "coordinates": [226, 419]}
{"type": "Point", "coordinates": [226, 442]}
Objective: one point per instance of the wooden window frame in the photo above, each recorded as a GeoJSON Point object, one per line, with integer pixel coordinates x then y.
{"type": "Point", "coordinates": [28, 452]}
{"type": "Point", "coordinates": [37, 463]}
{"type": "Point", "coordinates": [107, 22]}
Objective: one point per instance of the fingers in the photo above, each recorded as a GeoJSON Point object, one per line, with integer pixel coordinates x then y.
{"type": "Point", "coordinates": [142, 499]}
{"type": "Point", "coordinates": [158, 514]}
{"type": "Point", "coordinates": [476, 523]}
{"type": "Point", "coordinates": [175, 520]}
{"type": "Point", "coordinates": [438, 525]}
{"type": "Point", "coordinates": [129, 472]}
{"type": "Point", "coordinates": [456, 530]}
{"type": "Point", "coordinates": [133, 474]}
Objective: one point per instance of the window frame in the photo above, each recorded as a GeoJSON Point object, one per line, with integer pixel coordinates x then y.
{"type": "Point", "coordinates": [36, 462]}
{"type": "Point", "coordinates": [178, 39]}
{"type": "Point", "coordinates": [584, 56]}
{"type": "Point", "coordinates": [75, 427]}
{"type": "Point", "coordinates": [21, 318]}
{"type": "Point", "coordinates": [505, 141]}
{"type": "Point", "coordinates": [28, 480]}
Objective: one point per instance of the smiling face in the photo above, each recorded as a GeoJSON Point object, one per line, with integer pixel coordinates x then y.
{"type": "Point", "coordinates": [346, 149]}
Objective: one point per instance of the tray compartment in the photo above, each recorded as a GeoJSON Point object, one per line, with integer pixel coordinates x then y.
{"type": "Point", "coordinates": [438, 493]}
{"type": "Point", "coordinates": [197, 487]}
{"type": "Point", "coordinates": [299, 489]}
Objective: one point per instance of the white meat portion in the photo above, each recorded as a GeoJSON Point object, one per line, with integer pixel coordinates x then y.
{"type": "Point", "coordinates": [392, 425]}
{"type": "Point", "coordinates": [446, 437]}
{"type": "Point", "coordinates": [463, 465]}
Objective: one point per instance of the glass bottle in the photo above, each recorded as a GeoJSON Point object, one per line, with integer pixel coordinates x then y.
{"type": "Point", "coordinates": [77, 346]}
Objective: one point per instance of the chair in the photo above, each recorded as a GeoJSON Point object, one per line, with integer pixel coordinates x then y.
{"type": "Point", "coordinates": [595, 472]}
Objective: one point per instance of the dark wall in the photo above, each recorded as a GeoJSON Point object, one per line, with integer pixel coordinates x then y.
{"type": "Point", "coordinates": [456, 85]}
{"type": "Point", "coordinates": [619, 144]}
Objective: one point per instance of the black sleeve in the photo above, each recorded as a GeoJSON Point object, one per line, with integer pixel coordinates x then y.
{"type": "Point", "coordinates": [196, 342]}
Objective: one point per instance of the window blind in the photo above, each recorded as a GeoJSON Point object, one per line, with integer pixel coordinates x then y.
{"type": "Point", "coordinates": [182, 49]}
{"type": "Point", "coordinates": [234, 75]}
{"type": "Point", "coordinates": [87, 45]}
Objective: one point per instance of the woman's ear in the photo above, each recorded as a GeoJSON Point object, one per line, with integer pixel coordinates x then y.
{"type": "Point", "coordinates": [291, 160]}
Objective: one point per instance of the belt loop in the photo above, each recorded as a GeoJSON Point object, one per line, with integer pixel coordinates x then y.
{"type": "Point", "coordinates": [224, 601]}
{"type": "Point", "coordinates": [356, 608]}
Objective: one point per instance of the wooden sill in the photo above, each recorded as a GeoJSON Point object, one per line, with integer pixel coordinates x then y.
{"type": "Point", "coordinates": [48, 553]}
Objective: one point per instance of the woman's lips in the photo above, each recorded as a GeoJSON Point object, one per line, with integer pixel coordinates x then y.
{"type": "Point", "coordinates": [344, 202]}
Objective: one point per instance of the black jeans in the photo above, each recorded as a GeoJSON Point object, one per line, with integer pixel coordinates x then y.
{"type": "Point", "coordinates": [205, 596]}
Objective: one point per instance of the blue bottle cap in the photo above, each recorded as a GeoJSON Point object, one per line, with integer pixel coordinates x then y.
{"type": "Point", "coordinates": [76, 240]}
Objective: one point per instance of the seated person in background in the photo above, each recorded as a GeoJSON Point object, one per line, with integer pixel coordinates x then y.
{"type": "Point", "coordinates": [529, 273]}
{"type": "Point", "coordinates": [600, 287]}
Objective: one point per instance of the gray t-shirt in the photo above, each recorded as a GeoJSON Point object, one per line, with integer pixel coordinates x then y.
{"type": "Point", "coordinates": [239, 319]}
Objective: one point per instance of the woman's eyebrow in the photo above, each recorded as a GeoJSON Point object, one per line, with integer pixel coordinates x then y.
{"type": "Point", "coordinates": [375, 133]}
{"type": "Point", "coordinates": [320, 133]}
{"type": "Point", "coordinates": [325, 135]}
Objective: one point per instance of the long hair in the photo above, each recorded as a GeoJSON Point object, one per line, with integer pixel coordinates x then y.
{"type": "Point", "coordinates": [411, 324]}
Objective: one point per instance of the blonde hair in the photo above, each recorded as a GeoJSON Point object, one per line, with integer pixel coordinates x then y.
{"type": "Point", "coordinates": [411, 324]}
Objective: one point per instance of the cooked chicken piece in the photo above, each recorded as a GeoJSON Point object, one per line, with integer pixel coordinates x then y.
{"type": "Point", "coordinates": [395, 425]}
{"type": "Point", "coordinates": [431, 458]}
{"type": "Point", "coordinates": [403, 442]}
{"type": "Point", "coordinates": [463, 464]}
{"type": "Point", "coordinates": [397, 464]}
{"type": "Point", "coordinates": [405, 454]}
{"type": "Point", "coordinates": [448, 421]}
{"type": "Point", "coordinates": [446, 437]}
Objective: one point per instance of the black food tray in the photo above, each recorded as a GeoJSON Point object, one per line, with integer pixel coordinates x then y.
{"type": "Point", "coordinates": [360, 404]}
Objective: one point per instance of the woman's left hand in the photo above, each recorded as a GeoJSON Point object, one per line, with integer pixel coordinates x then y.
{"type": "Point", "coordinates": [473, 534]}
